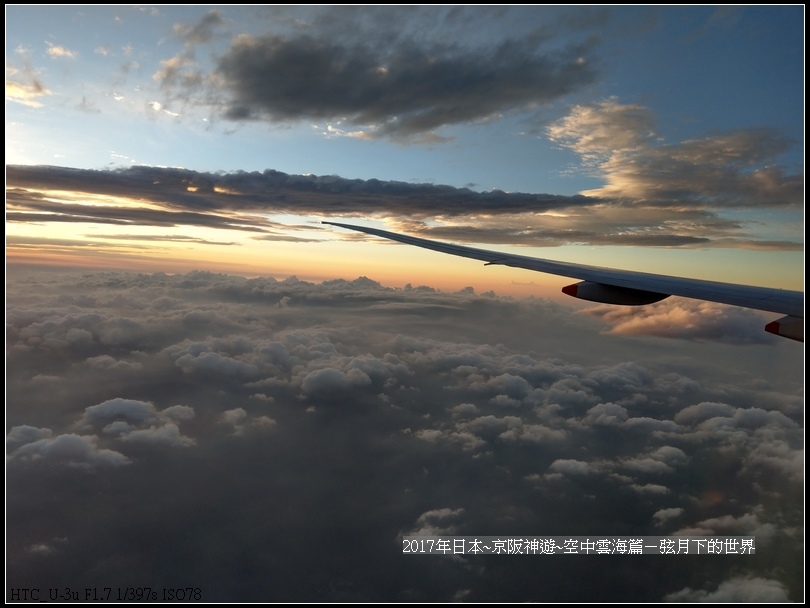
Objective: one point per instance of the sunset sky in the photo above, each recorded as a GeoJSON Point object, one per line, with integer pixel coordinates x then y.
{"type": "Point", "coordinates": [667, 140]}
{"type": "Point", "coordinates": [207, 387]}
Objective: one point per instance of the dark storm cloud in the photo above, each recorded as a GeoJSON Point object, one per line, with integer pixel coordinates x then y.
{"type": "Point", "coordinates": [271, 440]}
{"type": "Point", "coordinates": [415, 71]}
{"type": "Point", "coordinates": [399, 92]}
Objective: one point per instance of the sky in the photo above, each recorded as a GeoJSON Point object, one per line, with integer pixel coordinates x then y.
{"type": "Point", "coordinates": [208, 388]}
{"type": "Point", "coordinates": [665, 140]}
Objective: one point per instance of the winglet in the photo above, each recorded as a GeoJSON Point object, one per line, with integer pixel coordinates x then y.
{"type": "Point", "coordinates": [787, 327]}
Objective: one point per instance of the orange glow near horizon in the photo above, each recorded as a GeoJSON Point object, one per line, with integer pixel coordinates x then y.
{"type": "Point", "coordinates": [291, 245]}
{"type": "Point", "coordinates": [327, 256]}
{"type": "Point", "coordinates": [302, 248]}
{"type": "Point", "coordinates": [314, 262]}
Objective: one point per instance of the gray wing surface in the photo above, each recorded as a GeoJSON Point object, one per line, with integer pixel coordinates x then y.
{"type": "Point", "coordinates": [629, 287]}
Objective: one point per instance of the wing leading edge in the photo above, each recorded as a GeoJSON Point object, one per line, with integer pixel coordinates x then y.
{"type": "Point", "coordinates": [629, 287]}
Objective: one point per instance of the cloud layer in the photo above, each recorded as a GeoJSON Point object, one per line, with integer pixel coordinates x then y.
{"type": "Point", "coordinates": [272, 440]}
{"type": "Point", "coordinates": [242, 201]}
{"type": "Point", "coordinates": [404, 92]}
{"type": "Point", "coordinates": [404, 73]}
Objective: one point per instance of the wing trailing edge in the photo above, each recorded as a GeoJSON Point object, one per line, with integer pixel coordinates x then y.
{"type": "Point", "coordinates": [626, 287]}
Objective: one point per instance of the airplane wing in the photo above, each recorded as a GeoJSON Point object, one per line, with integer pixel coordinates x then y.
{"type": "Point", "coordinates": [627, 287]}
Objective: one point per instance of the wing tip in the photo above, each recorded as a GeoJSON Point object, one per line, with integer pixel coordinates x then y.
{"type": "Point", "coordinates": [787, 327]}
{"type": "Point", "coordinates": [772, 327]}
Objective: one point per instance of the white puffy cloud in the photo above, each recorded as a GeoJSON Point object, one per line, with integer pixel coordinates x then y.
{"type": "Point", "coordinates": [663, 461]}
{"type": "Point", "coordinates": [215, 363]}
{"type": "Point", "coordinates": [328, 381]}
{"type": "Point", "coordinates": [570, 467]}
{"type": "Point", "coordinates": [468, 441]}
{"type": "Point", "coordinates": [748, 524]}
{"type": "Point", "coordinates": [649, 488]}
{"type": "Point", "coordinates": [81, 451]}
{"type": "Point", "coordinates": [662, 516]}
{"type": "Point", "coordinates": [138, 421]}
{"type": "Point", "coordinates": [685, 319]}
{"type": "Point", "coordinates": [606, 414]}
{"type": "Point", "coordinates": [131, 410]}
{"type": "Point", "coordinates": [735, 590]}
{"type": "Point", "coordinates": [239, 420]}
{"type": "Point", "coordinates": [703, 411]}
{"type": "Point", "coordinates": [178, 412]}
{"type": "Point", "coordinates": [168, 433]}
{"type": "Point", "coordinates": [436, 522]}
{"type": "Point", "coordinates": [464, 410]}
{"type": "Point", "coordinates": [20, 435]}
